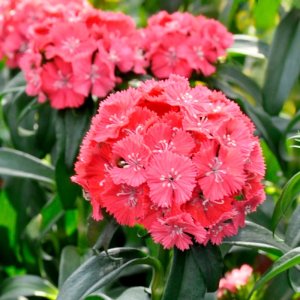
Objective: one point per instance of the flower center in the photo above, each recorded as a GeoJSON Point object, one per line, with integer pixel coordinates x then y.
{"type": "Point", "coordinates": [215, 166]}
{"type": "Point", "coordinates": [116, 121]}
{"type": "Point", "coordinates": [129, 192]}
{"type": "Point", "coordinates": [71, 44]}
{"type": "Point", "coordinates": [63, 81]}
{"type": "Point", "coordinates": [170, 179]}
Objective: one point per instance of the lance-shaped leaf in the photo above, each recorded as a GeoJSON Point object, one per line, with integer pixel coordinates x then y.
{"type": "Point", "coordinates": [284, 64]}
{"type": "Point", "coordinates": [287, 261]}
{"type": "Point", "coordinates": [20, 164]}
{"type": "Point", "coordinates": [27, 285]}
{"type": "Point", "coordinates": [289, 192]}
{"type": "Point", "coordinates": [256, 236]}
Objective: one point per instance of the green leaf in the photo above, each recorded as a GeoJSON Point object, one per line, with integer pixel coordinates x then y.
{"type": "Point", "coordinates": [16, 84]}
{"type": "Point", "coordinates": [71, 127]}
{"type": "Point", "coordinates": [287, 261]}
{"type": "Point", "coordinates": [8, 229]}
{"type": "Point", "coordinates": [50, 214]}
{"type": "Point", "coordinates": [108, 230]}
{"type": "Point", "coordinates": [256, 236]}
{"type": "Point", "coordinates": [294, 278]}
{"type": "Point", "coordinates": [284, 64]}
{"type": "Point", "coordinates": [292, 234]}
{"type": "Point", "coordinates": [248, 45]}
{"type": "Point", "coordinates": [135, 293]}
{"type": "Point", "coordinates": [20, 164]}
{"type": "Point", "coordinates": [288, 194]}
{"type": "Point", "coordinates": [265, 13]}
{"type": "Point", "coordinates": [69, 261]}
{"type": "Point", "coordinates": [98, 271]}
{"type": "Point", "coordinates": [185, 279]}
{"type": "Point", "coordinates": [209, 260]}
{"type": "Point", "coordinates": [234, 76]}
{"type": "Point", "coordinates": [27, 285]}
{"type": "Point", "coordinates": [14, 106]}
{"type": "Point", "coordinates": [67, 190]}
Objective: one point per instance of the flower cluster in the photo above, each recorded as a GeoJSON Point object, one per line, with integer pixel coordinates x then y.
{"type": "Point", "coordinates": [18, 17]}
{"type": "Point", "coordinates": [68, 50]}
{"type": "Point", "coordinates": [181, 43]}
{"type": "Point", "coordinates": [181, 161]}
{"type": "Point", "coordinates": [73, 51]}
{"type": "Point", "coordinates": [234, 281]}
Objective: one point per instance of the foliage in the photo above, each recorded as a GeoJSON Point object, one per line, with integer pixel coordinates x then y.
{"type": "Point", "coordinates": [50, 245]}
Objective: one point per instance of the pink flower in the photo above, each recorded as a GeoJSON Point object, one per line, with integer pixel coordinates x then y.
{"type": "Point", "coordinates": [58, 83]}
{"type": "Point", "coordinates": [170, 58]}
{"type": "Point", "coordinates": [128, 204]}
{"type": "Point", "coordinates": [114, 114]}
{"type": "Point", "coordinates": [207, 212]}
{"type": "Point", "coordinates": [180, 43]}
{"type": "Point", "coordinates": [95, 77]}
{"type": "Point", "coordinates": [31, 66]}
{"type": "Point", "coordinates": [131, 161]}
{"type": "Point", "coordinates": [234, 280]}
{"type": "Point", "coordinates": [176, 231]}
{"type": "Point", "coordinates": [220, 170]}
{"type": "Point", "coordinates": [171, 178]}
{"type": "Point", "coordinates": [69, 40]}
{"type": "Point", "coordinates": [171, 158]}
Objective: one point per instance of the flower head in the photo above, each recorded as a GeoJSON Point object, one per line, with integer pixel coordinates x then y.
{"type": "Point", "coordinates": [147, 161]}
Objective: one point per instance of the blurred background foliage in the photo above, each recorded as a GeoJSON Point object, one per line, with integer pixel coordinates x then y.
{"type": "Point", "coordinates": [45, 225]}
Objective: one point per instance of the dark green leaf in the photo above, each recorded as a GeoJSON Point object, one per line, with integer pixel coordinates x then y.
{"type": "Point", "coordinates": [287, 261]}
{"type": "Point", "coordinates": [22, 130]}
{"type": "Point", "coordinates": [20, 164]}
{"type": "Point", "coordinates": [99, 270]}
{"type": "Point", "coordinates": [67, 190]}
{"type": "Point", "coordinates": [256, 236]}
{"type": "Point", "coordinates": [234, 76]}
{"type": "Point", "coordinates": [27, 285]}
{"type": "Point", "coordinates": [71, 128]}
{"type": "Point", "coordinates": [249, 45]}
{"type": "Point", "coordinates": [284, 64]}
{"type": "Point", "coordinates": [294, 278]}
{"type": "Point", "coordinates": [50, 214]}
{"type": "Point", "coordinates": [98, 296]}
{"type": "Point", "coordinates": [288, 194]}
{"type": "Point", "coordinates": [69, 261]}
{"type": "Point", "coordinates": [209, 260]}
{"type": "Point", "coordinates": [185, 279]}
{"type": "Point", "coordinates": [280, 287]}
{"type": "Point", "coordinates": [135, 293]}
{"type": "Point", "coordinates": [107, 233]}
{"type": "Point", "coordinates": [16, 84]}
{"type": "Point", "coordinates": [292, 235]}
{"type": "Point", "coordinates": [170, 6]}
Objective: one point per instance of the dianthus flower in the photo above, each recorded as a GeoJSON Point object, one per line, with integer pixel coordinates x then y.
{"type": "Point", "coordinates": [17, 19]}
{"type": "Point", "coordinates": [181, 161]}
{"type": "Point", "coordinates": [181, 43]}
{"type": "Point", "coordinates": [69, 50]}
{"type": "Point", "coordinates": [234, 280]}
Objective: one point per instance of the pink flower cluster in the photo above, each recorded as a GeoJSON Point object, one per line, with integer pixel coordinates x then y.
{"type": "Point", "coordinates": [68, 50]}
{"type": "Point", "coordinates": [181, 43]}
{"type": "Point", "coordinates": [181, 161]}
{"type": "Point", "coordinates": [234, 280]}
{"type": "Point", "coordinates": [16, 21]}
{"type": "Point", "coordinates": [73, 50]}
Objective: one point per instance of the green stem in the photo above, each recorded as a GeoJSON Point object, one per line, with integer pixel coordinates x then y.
{"type": "Point", "coordinates": [157, 283]}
